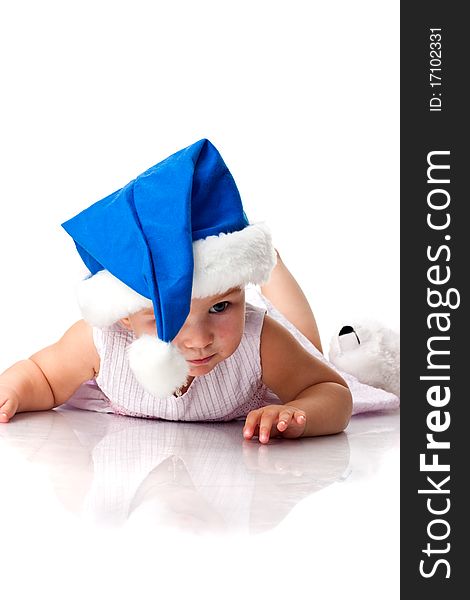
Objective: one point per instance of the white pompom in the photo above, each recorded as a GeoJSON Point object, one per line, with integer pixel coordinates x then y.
{"type": "Point", "coordinates": [159, 367]}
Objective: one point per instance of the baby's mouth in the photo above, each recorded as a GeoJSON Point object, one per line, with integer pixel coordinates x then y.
{"type": "Point", "coordinates": [202, 361]}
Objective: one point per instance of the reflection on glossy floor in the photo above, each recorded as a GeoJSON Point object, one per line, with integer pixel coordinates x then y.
{"type": "Point", "coordinates": [113, 476]}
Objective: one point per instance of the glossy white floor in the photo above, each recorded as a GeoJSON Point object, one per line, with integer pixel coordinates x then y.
{"type": "Point", "coordinates": [95, 505]}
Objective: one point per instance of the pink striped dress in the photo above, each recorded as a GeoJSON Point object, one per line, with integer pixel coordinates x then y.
{"type": "Point", "coordinates": [229, 391]}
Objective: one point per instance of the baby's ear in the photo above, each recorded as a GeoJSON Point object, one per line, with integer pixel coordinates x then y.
{"type": "Point", "coordinates": [125, 322]}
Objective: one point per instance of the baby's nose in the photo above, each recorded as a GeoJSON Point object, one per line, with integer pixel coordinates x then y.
{"type": "Point", "coordinates": [196, 336]}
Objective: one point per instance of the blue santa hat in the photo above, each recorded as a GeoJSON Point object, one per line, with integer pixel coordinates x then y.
{"type": "Point", "coordinates": [178, 231]}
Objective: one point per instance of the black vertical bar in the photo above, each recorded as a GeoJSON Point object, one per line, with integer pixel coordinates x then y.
{"type": "Point", "coordinates": [435, 235]}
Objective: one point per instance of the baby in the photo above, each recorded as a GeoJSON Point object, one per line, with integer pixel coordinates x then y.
{"type": "Point", "coordinates": [166, 330]}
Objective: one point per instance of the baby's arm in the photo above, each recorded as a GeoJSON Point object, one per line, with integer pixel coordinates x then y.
{"type": "Point", "coordinates": [49, 377]}
{"type": "Point", "coordinates": [315, 399]}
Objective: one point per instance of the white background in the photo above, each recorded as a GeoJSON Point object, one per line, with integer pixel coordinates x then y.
{"type": "Point", "coordinates": [300, 98]}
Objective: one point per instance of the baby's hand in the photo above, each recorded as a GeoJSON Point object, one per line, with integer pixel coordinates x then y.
{"type": "Point", "coordinates": [8, 404]}
{"type": "Point", "coordinates": [274, 419]}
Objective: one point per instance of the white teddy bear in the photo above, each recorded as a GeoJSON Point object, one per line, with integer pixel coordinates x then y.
{"type": "Point", "coordinates": [370, 352]}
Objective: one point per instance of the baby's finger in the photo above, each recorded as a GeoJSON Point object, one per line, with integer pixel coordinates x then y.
{"type": "Point", "coordinates": [251, 422]}
{"type": "Point", "coordinates": [267, 419]}
{"type": "Point", "coordinates": [7, 411]}
{"type": "Point", "coordinates": [284, 420]}
{"type": "Point", "coordinates": [300, 417]}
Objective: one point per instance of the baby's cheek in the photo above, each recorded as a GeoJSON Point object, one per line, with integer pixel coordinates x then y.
{"type": "Point", "coordinates": [230, 335]}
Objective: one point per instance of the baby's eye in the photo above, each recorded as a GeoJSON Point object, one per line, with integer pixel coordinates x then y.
{"type": "Point", "coordinates": [219, 307]}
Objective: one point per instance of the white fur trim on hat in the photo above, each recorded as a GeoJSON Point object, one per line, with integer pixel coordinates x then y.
{"type": "Point", "coordinates": [159, 367]}
{"type": "Point", "coordinates": [220, 263]}
{"type": "Point", "coordinates": [104, 299]}
{"type": "Point", "coordinates": [232, 259]}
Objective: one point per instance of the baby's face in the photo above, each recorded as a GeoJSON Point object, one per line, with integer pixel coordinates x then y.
{"type": "Point", "coordinates": [213, 328]}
